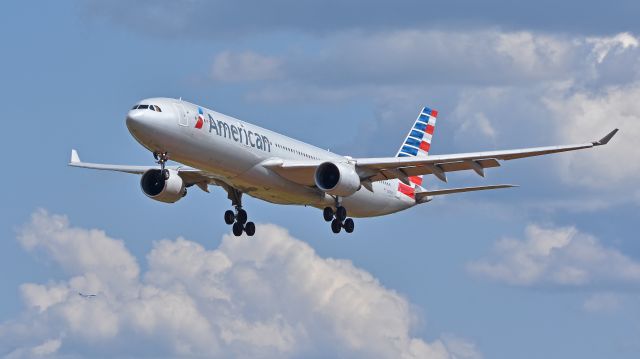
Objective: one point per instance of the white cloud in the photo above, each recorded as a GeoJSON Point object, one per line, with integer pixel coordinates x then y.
{"type": "Point", "coordinates": [103, 262]}
{"type": "Point", "coordinates": [460, 348]}
{"type": "Point", "coordinates": [560, 256]}
{"type": "Point", "coordinates": [531, 53]}
{"type": "Point", "coordinates": [367, 61]}
{"type": "Point", "coordinates": [266, 296]}
{"type": "Point", "coordinates": [244, 67]}
{"type": "Point", "coordinates": [602, 302]}
{"type": "Point", "coordinates": [217, 19]}
{"type": "Point", "coordinates": [586, 116]}
{"type": "Point", "coordinates": [602, 46]}
{"type": "Point", "coordinates": [47, 348]}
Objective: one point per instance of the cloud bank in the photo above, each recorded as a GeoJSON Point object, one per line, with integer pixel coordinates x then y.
{"type": "Point", "coordinates": [558, 256]}
{"type": "Point", "coordinates": [268, 296]}
{"type": "Point", "coordinates": [216, 18]}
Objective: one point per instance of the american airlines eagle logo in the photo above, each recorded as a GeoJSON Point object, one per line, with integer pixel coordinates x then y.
{"type": "Point", "coordinates": [200, 118]}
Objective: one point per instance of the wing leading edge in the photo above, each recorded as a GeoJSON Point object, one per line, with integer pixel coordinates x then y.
{"type": "Point", "coordinates": [75, 162]}
{"type": "Point", "coordinates": [190, 175]}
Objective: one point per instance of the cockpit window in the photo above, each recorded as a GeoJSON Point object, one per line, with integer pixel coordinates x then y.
{"type": "Point", "coordinates": [145, 107]}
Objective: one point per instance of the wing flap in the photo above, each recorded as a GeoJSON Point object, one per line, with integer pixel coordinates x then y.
{"type": "Point", "coordinates": [446, 167]}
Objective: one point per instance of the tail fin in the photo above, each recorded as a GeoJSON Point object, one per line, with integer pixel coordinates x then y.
{"type": "Point", "coordinates": [417, 144]}
{"type": "Point", "coordinates": [418, 140]}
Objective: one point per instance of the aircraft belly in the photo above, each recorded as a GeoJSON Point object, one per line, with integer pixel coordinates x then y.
{"type": "Point", "coordinates": [264, 184]}
{"type": "Point", "coordinates": [365, 203]}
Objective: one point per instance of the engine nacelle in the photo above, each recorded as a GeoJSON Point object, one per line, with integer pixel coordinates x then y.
{"type": "Point", "coordinates": [338, 179]}
{"type": "Point", "coordinates": [155, 186]}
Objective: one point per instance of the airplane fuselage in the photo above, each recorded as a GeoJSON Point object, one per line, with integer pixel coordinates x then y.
{"type": "Point", "coordinates": [234, 151]}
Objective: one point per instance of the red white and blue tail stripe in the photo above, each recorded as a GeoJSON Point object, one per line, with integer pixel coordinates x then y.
{"type": "Point", "coordinates": [417, 144]}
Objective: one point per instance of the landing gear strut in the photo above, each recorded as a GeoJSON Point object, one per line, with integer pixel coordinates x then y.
{"type": "Point", "coordinates": [238, 219]}
{"type": "Point", "coordinates": [161, 159]}
{"type": "Point", "coordinates": [338, 218]}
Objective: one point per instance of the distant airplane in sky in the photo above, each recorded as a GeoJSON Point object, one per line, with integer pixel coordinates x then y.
{"type": "Point", "coordinates": [87, 295]}
{"type": "Point", "coordinates": [243, 158]}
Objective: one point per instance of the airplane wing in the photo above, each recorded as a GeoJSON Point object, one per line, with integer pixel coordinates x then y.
{"type": "Point", "coordinates": [383, 168]}
{"type": "Point", "coordinates": [190, 175]}
{"type": "Point", "coordinates": [298, 171]}
{"type": "Point", "coordinates": [377, 169]}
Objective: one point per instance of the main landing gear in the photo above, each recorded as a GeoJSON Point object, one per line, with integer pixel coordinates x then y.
{"type": "Point", "coordinates": [338, 218]}
{"type": "Point", "coordinates": [238, 218]}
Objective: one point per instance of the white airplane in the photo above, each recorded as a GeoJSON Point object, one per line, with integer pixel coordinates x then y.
{"type": "Point", "coordinates": [215, 149]}
{"type": "Point", "coordinates": [83, 295]}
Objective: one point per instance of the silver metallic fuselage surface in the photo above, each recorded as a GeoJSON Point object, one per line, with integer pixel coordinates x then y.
{"type": "Point", "coordinates": [233, 152]}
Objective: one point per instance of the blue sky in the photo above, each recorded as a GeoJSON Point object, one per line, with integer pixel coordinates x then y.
{"type": "Point", "coordinates": [551, 269]}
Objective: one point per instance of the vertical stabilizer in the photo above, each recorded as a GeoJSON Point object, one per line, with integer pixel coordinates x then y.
{"type": "Point", "coordinates": [417, 144]}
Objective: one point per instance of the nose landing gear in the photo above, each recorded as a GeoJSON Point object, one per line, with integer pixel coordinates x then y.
{"type": "Point", "coordinates": [161, 159]}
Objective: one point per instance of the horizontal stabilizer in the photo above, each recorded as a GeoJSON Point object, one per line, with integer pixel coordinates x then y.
{"type": "Point", "coordinates": [422, 196]}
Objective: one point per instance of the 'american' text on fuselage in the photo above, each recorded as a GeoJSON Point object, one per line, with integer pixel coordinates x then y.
{"type": "Point", "coordinates": [239, 134]}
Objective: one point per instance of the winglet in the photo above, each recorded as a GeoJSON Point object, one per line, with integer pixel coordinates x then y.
{"type": "Point", "coordinates": [74, 156]}
{"type": "Point", "coordinates": [604, 140]}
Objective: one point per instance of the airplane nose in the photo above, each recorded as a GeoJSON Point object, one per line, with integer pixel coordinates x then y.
{"type": "Point", "coordinates": [133, 116]}
{"type": "Point", "coordinates": [135, 121]}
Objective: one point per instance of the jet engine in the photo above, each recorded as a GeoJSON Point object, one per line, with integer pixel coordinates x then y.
{"type": "Point", "coordinates": [156, 186]}
{"type": "Point", "coordinates": [338, 179]}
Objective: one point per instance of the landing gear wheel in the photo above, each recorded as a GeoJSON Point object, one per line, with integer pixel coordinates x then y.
{"type": "Point", "coordinates": [336, 226]}
{"type": "Point", "coordinates": [229, 217]}
{"type": "Point", "coordinates": [327, 213]}
{"type": "Point", "coordinates": [349, 225]}
{"type": "Point", "coordinates": [250, 229]}
{"type": "Point", "coordinates": [237, 229]}
{"type": "Point", "coordinates": [241, 217]}
{"type": "Point", "coordinates": [341, 213]}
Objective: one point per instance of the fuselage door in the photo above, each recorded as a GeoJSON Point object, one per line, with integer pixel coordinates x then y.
{"type": "Point", "coordinates": [183, 115]}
